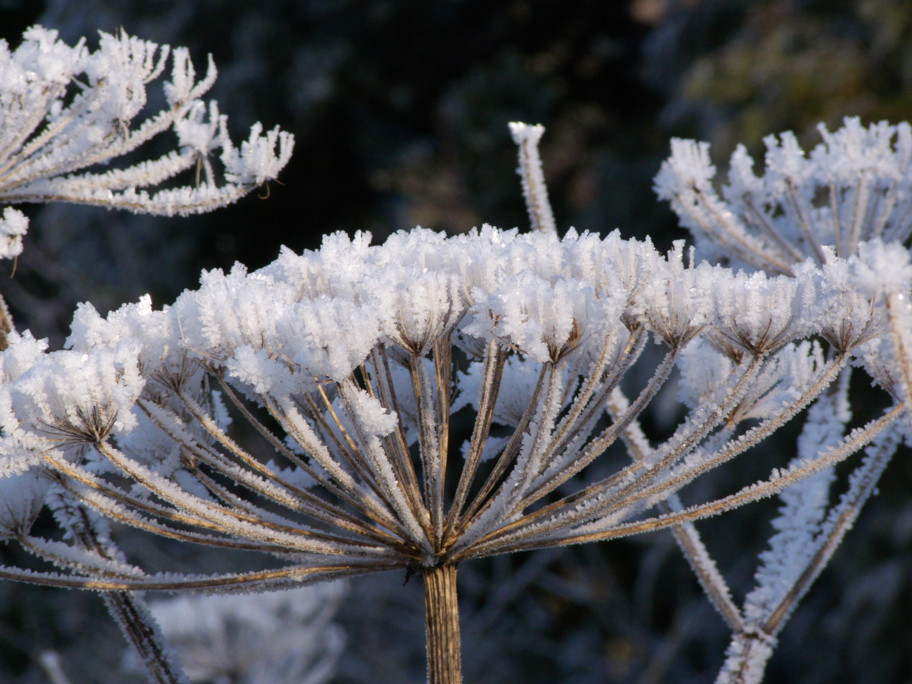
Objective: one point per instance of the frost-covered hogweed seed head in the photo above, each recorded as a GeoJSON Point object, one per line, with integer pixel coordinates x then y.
{"type": "Point", "coordinates": [428, 401]}
{"type": "Point", "coordinates": [353, 366]}
{"type": "Point", "coordinates": [282, 637]}
{"type": "Point", "coordinates": [853, 187]}
{"type": "Point", "coordinates": [66, 111]}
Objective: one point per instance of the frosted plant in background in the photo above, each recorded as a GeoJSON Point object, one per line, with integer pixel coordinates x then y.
{"type": "Point", "coordinates": [65, 111]}
{"type": "Point", "coordinates": [285, 637]}
{"type": "Point", "coordinates": [855, 187]}
{"type": "Point", "coordinates": [852, 188]}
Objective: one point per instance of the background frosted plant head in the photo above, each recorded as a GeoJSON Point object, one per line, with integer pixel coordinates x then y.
{"type": "Point", "coordinates": [854, 186]}
{"type": "Point", "coordinates": [66, 110]}
{"type": "Point", "coordinates": [845, 206]}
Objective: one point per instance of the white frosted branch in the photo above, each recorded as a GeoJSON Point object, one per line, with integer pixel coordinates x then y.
{"type": "Point", "coordinates": [535, 191]}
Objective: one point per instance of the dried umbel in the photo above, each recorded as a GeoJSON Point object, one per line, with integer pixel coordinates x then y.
{"type": "Point", "coordinates": [352, 383]}
{"type": "Point", "coordinates": [311, 411]}
{"type": "Point", "coordinates": [846, 199]}
{"type": "Point", "coordinates": [854, 187]}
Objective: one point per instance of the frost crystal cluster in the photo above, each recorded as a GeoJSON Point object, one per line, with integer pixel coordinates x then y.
{"type": "Point", "coordinates": [420, 403]}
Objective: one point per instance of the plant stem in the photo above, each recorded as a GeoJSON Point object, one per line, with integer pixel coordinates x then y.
{"type": "Point", "coordinates": [441, 614]}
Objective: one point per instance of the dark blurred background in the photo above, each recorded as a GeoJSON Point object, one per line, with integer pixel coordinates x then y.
{"type": "Point", "coordinates": [400, 109]}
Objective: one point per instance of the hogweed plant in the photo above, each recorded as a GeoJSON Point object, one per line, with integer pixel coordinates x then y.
{"type": "Point", "coordinates": [845, 199]}
{"type": "Point", "coordinates": [310, 411]}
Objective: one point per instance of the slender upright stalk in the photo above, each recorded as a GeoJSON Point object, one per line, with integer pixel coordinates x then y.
{"type": "Point", "coordinates": [441, 616]}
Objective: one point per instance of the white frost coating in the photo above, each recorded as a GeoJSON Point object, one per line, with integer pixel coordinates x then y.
{"type": "Point", "coordinates": [535, 191]}
{"type": "Point", "coordinates": [68, 391]}
{"type": "Point", "coordinates": [849, 316]}
{"type": "Point", "coordinates": [201, 130]}
{"type": "Point", "coordinates": [754, 312]}
{"type": "Point", "coordinates": [804, 506]}
{"type": "Point", "coordinates": [855, 186]}
{"type": "Point", "coordinates": [676, 301]}
{"type": "Point", "coordinates": [746, 659]}
{"type": "Point", "coordinates": [406, 404]}
{"type": "Point", "coordinates": [21, 499]}
{"type": "Point", "coordinates": [160, 348]}
{"type": "Point", "coordinates": [786, 374]}
{"type": "Point", "coordinates": [686, 171]}
{"type": "Point", "coordinates": [541, 319]}
{"type": "Point", "coordinates": [373, 419]}
{"type": "Point", "coordinates": [13, 226]}
{"type": "Point", "coordinates": [22, 352]}
{"type": "Point", "coordinates": [260, 158]}
{"type": "Point", "coordinates": [881, 269]}
{"type": "Point", "coordinates": [878, 358]}
{"type": "Point", "coordinates": [418, 307]}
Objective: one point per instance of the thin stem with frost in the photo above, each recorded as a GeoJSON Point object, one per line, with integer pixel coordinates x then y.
{"type": "Point", "coordinates": [535, 191]}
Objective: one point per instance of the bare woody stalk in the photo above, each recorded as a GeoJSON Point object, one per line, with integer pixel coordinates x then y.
{"type": "Point", "coordinates": [441, 606]}
{"type": "Point", "coordinates": [441, 617]}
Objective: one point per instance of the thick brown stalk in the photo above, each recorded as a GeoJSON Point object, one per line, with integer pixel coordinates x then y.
{"type": "Point", "coordinates": [441, 614]}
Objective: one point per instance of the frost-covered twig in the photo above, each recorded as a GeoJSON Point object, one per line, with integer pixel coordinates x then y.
{"type": "Point", "coordinates": [534, 188]}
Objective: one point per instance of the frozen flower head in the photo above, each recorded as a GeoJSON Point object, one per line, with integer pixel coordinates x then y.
{"type": "Point", "coordinates": [69, 397]}
{"type": "Point", "coordinates": [66, 112]}
{"type": "Point", "coordinates": [306, 411]}
{"type": "Point", "coordinates": [855, 186]}
{"type": "Point", "coordinates": [343, 360]}
{"type": "Point", "coordinates": [756, 314]}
